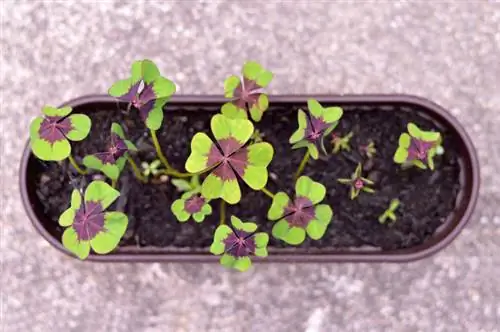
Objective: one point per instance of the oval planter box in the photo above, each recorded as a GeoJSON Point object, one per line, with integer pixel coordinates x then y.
{"type": "Point", "coordinates": [454, 223]}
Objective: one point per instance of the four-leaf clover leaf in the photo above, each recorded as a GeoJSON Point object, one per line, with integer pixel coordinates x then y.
{"type": "Point", "coordinates": [237, 243]}
{"type": "Point", "coordinates": [87, 223]}
{"type": "Point", "coordinates": [191, 204]}
{"type": "Point", "coordinates": [314, 126]}
{"type": "Point", "coordinates": [112, 161]}
{"type": "Point", "coordinates": [302, 215]}
{"type": "Point", "coordinates": [229, 158]}
{"type": "Point", "coordinates": [50, 134]}
{"type": "Point", "coordinates": [418, 147]}
{"type": "Point", "coordinates": [146, 90]}
{"type": "Point", "coordinates": [247, 92]}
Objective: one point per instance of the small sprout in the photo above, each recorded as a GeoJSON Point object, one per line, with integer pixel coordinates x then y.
{"type": "Point", "coordinates": [358, 183]}
{"type": "Point", "coordinates": [50, 134]}
{"type": "Point", "coordinates": [111, 161]}
{"type": "Point", "coordinates": [302, 215]}
{"type": "Point", "coordinates": [368, 150]}
{"type": "Point", "coordinates": [341, 143]}
{"type": "Point", "coordinates": [229, 158]}
{"type": "Point", "coordinates": [418, 147]}
{"type": "Point", "coordinates": [87, 223]}
{"type": "Point", "coordinates": [191, 204]}
{"type": "Point", "coordinates": [146, 90]}
{"type": "Point", "coordinates": [389, 213]}
{"type": "Point", "coordinates": [314, 126]}
{"type": "Point", "coordinates": [183, 185]}
{"type": "Point", "coordinates": [256, 136]}
{"type": "Point", "coordinates": [247, 92]}
{"type": "Point", "coordinates": [151, 168]}
{"type": "Point", "coordinates": [237, 243]}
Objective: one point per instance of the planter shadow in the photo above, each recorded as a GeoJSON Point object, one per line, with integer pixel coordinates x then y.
{"type": "Point", "coordinates": [451, 227]}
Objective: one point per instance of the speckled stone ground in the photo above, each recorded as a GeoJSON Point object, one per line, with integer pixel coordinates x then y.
{"type": "Point", "coordinates": [448, 52]}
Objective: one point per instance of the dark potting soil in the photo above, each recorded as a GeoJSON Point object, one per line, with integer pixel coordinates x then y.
{"type": "Point", "coordinates": [427, 197]}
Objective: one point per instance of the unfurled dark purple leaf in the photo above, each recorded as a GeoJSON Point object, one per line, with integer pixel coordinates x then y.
{"type": "Point", "coordinates": [194, 204]}
{"type": "Point", "coordinates": [116, 149]}
{"type": "Point", "coordinates": [89, 220]}
{"type": "Point", "coordinates": [300, 212]}
{"type": "Point", "coordinates": [419, 149]}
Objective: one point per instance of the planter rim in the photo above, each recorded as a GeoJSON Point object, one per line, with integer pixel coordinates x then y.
{"type": "Point", "coordinates": [401, 255]}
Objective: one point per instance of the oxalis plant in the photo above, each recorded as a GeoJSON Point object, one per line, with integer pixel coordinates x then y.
{"type": "Point", "coordinates": [232, 154]}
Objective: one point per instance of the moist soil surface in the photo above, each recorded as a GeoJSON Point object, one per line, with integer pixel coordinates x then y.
{"type": "Point", "coordinates": [427, 197]}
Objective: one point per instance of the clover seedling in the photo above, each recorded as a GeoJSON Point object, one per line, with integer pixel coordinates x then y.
{"type": "Point", "coordinates": [390, 212]}
{"type": "Point", "coordinates": [50, 134]}
{"type": "Point", "coordinates": [341, 143]}
{"type": "Point", "coordinates": [111, 161]}
{"type": "Point", "coordinates": [247, 93]}
{"type": "Point", "coordinates": [358, 183]}
{"type": "Point", "coordinates": [228, 158]}
{"type": "Point", "coordinates": [314, 126]}
{"type": "Point", "coordinates": [192, 185]}
{"type": "Point", "coordinates": [302, 215]}
{"type": "Point", "coordinates": [369, 150]}
{"type": "Point", "coordinates": [191, 204]}
{"type": "Point", "coordinates": [237, 243]}
{"type": "Point", "coordinates": [146, 90]}
{"type": "Point", "coordinates": [418, 147]}
{"type": "Point", "coordinates": [151, 168]}
{"type": "Point", "coordinates": [87, 223]}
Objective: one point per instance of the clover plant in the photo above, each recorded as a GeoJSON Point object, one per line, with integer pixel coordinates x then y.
{"type": "Point", "coordinates": [51, 133]}
{"type": "Point", "coordinates": [294, 218]}
{"type": "Point", "coordinates": [418, 147]}
{"type": "Point", "coordinates": [358, 183]}
{"type": "Point", "coordinates": [228, 158]}
{"type": "Point", "coordinates": [389, 213]}
{"type": "Point", "coordinates": [111, 161]}
{"type": "Point", "coordinates": [247, 92]}
{"type": "Point", "coordinates": [341, 143]}
{"type": "Point", "coordinates": [235, 150]}
{"type": "Point", "coordinates": [237, 242]}
{"type": "Point", "coordinates": [314, 126]}
{"type": "Point", "coordinates": [89, 225]}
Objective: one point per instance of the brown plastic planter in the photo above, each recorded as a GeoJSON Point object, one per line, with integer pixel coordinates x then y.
{"type": "Point", "coordinates": [455, 222]}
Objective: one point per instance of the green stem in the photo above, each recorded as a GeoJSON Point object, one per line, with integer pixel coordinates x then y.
{"type": "Point", "coordinates": [172, 171]}
{"type": "Point", "coordinates": [176, 174]}
{"type": "Point", "coordinates": [137, 172]}
{"type": "Point", "coordinates": [222, 212]}
{"type": "Point", "coordinates": [75, 165]}
{"type": "Point", "coordinates": [267, 192]}
{"type": "Point", "coordinates": [113, 183]}
{"type": "Point", "coordinates": [302, 164]}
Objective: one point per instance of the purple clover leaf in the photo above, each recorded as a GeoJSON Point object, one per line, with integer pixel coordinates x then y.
{"type": "Point", "coordinates": [191, 204]}
{"type": "Point", "coordinates": [247, 92]}
{"type": "Point", "coordinates": [302, 215]}
{"type": "Point", "coordinates": [87, 223]}
{"type": "Point", "coordinates": [418, 147]}
{"type": "Point", "coordinates": [229, 159]}
{"type": "Point", "coordinates": [111, 161]}
{"type": "Point", "coordinates": [50, 134]}
{"type": "Point", "coordinates": [146, 90]}
{"type": "Point", "coordinates": [358, 183]}
{"type": "Point", "coordinates": [314, 126]}
{"type": "Point", "coordinates": [237, 243]}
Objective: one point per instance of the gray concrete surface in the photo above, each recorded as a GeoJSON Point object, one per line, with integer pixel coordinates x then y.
{"type": "Point", "coordinates": [449, 52]}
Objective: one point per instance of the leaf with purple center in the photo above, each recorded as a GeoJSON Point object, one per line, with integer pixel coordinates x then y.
{"type": "Point", "coordinates": [229, 159]}
{"type": "Point", "coordinates": [247, 92]}
{"type": "Point", "coordinates": [111, 161]}
{"type": "Point", "coordinates": [146, 90]}
{"type": "Point", "coordinates": [191, 204]}
{"type": "Point", "coordinates": [418, 147]}
{"type": "Point", "coordinates": [302, 215]}
{"type": "Point", "coordinates": [237, 243]}
{"type": "Point", "coordinates": [87, 223]}
{"type": "Point", "coordinates": [50, 134]}
{"type": "Point", "coordinates": [314, 126]}
{"type": "Point", "coordinates": [358, 183]}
